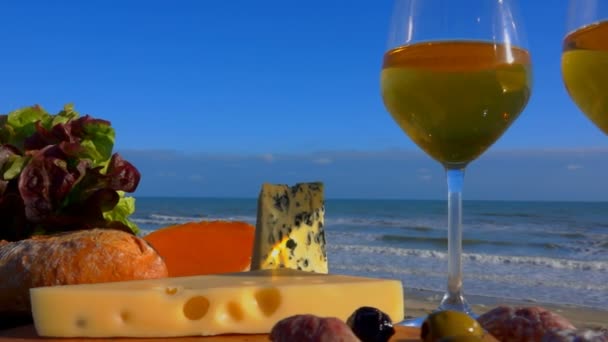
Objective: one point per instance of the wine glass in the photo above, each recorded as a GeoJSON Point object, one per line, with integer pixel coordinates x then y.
{"type": "Point", "coordinates": [455, 76]}
{"type": "Point", "coordinates": [585, 59]}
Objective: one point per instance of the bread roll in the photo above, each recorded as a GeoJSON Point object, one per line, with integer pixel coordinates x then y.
{"type": "Point", "coordinates": [79, 257]}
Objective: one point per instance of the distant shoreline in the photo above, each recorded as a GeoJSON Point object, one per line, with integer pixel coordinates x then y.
{"type": "Point", "coordinates": [370, 199]}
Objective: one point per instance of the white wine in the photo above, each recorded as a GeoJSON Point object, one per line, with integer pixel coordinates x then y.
{"type": "Point", "coordinates": [455, 98]}
{"type": "Point", "coordinates": [585, 71]}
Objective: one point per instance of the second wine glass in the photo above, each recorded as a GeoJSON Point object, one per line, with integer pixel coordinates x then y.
{"type": "Point", "coordinates": [456, 75]}
{"type": "Point", "coordinates": [585, 59]}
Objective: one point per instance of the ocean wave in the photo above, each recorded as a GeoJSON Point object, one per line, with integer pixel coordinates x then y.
{"type": "Point", "coordinates": [442, 241]}
{"type": "Point", "coordinates": [404, 223]}
{"type": "Point", "coordinates": [166, 219]}
{"type": "Point", "coordinates": [590, 247]}
{"type": "Point", "coordinates": [408, 224]}
{"type": "Point", "coordinates": [514, 214]}
{"type": "Point", "coordinates": [545, 262]}
{"type": "Point", "coordinates": [570, 235]}
{"type": "Point", "coordinates": [512, 278]}
{"type": "Point", "coordinates": [162, 220]}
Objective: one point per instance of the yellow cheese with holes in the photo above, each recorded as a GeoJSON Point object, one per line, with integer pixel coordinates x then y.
{"type": "Point", "coordinates": [245, 302]}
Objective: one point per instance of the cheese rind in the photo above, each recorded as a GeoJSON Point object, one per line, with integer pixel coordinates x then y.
{"type": "Point", "coordinates": [245, 302]}
{"type": "Point", "coordinates": [290, 228]}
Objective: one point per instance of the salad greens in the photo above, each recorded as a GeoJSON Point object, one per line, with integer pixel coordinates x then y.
{"type": "Point", "coordinates": [58, 173]}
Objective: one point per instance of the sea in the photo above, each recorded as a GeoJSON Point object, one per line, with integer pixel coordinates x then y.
{"type": "Point", "coordinates": [546, 252]}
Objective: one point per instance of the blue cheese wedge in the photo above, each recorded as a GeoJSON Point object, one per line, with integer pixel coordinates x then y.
{"type": "Point", "coordinates": [289, 228]}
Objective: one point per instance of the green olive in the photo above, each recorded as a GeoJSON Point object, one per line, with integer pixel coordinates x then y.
{"type": "Point", "coordinates": [450, 324]}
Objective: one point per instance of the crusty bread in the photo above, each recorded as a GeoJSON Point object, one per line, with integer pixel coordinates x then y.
{"type": "Point", "coordinates": [79, 257]}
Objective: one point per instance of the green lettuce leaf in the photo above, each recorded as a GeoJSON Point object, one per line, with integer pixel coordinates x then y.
{"type": "Point", "coordinates": [68, 113]}
{"type": "Point", "coordinates": [121, 212]}
{"type": "Point", "coordinates": [13, 167]}
{"type": "Point", "coordinates": [21, 123]}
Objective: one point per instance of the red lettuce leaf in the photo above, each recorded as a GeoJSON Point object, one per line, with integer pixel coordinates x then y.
{"type": "Point", "coordinates": [58, 173]}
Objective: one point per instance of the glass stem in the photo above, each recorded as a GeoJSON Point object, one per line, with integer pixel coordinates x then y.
{"type": "Point", "coordinates": [454, 299]}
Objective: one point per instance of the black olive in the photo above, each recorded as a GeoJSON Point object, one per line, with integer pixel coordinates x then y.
{"type": "Point", "coordinates": [371, 324]}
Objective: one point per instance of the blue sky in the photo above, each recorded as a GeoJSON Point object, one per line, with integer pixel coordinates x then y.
{"type": "Point", "coordinates": [277, 82]}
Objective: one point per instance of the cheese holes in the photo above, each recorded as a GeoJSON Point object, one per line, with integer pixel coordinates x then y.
{"type": "Point", "coordinates": [171, 290]}
{"type": "Point", "coordinates": [196, 308]}
{"type": "Point", "coordinates": [81, 322]}
{"type": "Point", "coordinates": [235, 311]}
{"type": "Point", "coordinates": [268, 299]}
{"type": "Point", "coordinates": [126, 316]}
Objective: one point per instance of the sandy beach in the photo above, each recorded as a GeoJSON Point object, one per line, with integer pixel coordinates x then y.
{"type": "Point", "coordinates": [419, 303]}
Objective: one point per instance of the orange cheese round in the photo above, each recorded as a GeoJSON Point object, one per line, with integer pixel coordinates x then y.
{"type": "Point", "coordinates": [206, 247]}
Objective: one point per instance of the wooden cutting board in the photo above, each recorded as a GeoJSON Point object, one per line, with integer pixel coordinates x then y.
{"type": "Point", "coordinates": [28, 334]}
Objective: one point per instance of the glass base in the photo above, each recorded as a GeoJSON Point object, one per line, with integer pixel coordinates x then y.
{"type": "Point", "coordinates": [453, 303]}
{"type": "Point", "coordinates": [412, 322]}
{"type": "Point", "coordinates": [456, 302]}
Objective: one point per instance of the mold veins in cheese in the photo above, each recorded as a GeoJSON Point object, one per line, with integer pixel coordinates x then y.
{"type": "Point", "coordinates": [289, 228]}
{"type": "Point", "coordinates": [245, 302]}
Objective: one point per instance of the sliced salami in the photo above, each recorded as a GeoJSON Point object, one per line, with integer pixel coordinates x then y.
{"type": "Point", "coordinates": [507, 323]}
{"type": "Point", "coordinates": [310, 328]}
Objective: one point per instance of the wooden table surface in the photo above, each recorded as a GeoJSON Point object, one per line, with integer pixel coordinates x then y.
{"type": "Point", "coordinates": [28, 334]}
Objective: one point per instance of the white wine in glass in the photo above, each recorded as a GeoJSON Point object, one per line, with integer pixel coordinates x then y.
{"type": "Point", "coordinates": [585, 59]}
{"type": "Point", "coordinates": [456, 75]}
